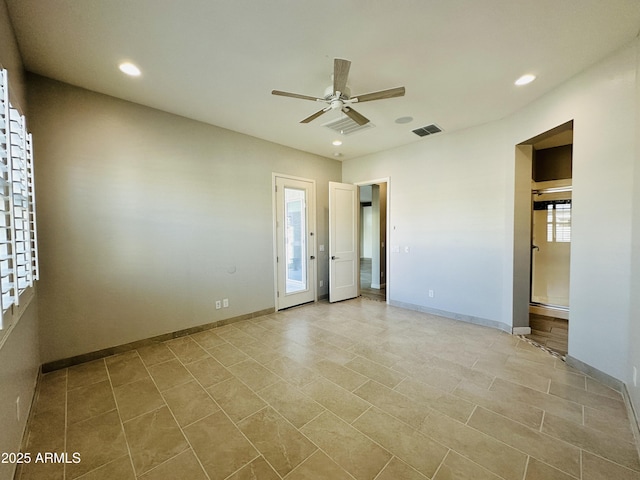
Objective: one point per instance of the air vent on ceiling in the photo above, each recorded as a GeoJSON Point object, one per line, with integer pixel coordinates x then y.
{"type": "Point", "coordinates": [345, 126]}
{"type": "Point", "coordinates": [428, 130]}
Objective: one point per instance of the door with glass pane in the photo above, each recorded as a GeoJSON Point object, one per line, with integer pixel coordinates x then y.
{"type": "Point", "coordinates": [295, 242]}
{"type": "Point", "coordinates": [551, 249]}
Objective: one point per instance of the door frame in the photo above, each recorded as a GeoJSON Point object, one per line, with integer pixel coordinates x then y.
{"type": "Point", "coordinates": [312, 240]}
{"type": "Point", "coordinates": [341, 292]}
{"type": "Point", "coordinates": [387, 235]}
{"type": "Point", "coordinates": [522, 224]}
{"type": "Point", "coordinates": [549, 187]}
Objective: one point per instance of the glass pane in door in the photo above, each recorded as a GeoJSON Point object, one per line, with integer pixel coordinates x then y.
{"type": "Point", "coordinates": [551, 249]}
{"type": "Point", "coordinates": [295, 236]}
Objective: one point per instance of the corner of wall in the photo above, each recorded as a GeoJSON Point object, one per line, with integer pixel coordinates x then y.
{"type": "Point", "coordinates": [19, 349]}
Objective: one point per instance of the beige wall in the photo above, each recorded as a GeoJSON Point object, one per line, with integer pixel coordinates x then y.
{"type": "Point", "coordinates": [19, 358]}
{"type": "Point", "coordinates": [634, 315]}
{"type": "Point", "coordinates": [147, 218]}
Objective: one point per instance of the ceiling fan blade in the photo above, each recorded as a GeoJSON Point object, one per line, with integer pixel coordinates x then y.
{"type": "Point", "coordinates": [315, 115]}
{"type": "Point", "coordinates": [296, 95]}
{"type": "Point", "coordinates": [390, 93]}
{"type": "Point", "coordinates": [355, 116]}
{"type": "Point", "coordinates": [340, 74]}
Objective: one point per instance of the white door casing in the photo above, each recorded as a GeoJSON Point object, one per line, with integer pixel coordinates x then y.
{"type": "Point", "coordinates": [295, 245]}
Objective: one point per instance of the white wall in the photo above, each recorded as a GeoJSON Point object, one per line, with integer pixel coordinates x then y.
{"type": "Point", "coordinates": [19, 358]}
{"type": "Point", "coordinates": [452, 203]}
{"type": "Point", "coordinates": [634, 316]}
{"type": "Point", "coordinates": [447, 206]}
{"type": "Point", "coordinates": [365, 231]}
{"type": "Point", "coordinates": [146, 219]}
{"type": "Point", "coordinates": [602, 103]}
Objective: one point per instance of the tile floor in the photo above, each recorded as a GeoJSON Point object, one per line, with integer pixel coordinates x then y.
{"type": "Point", "coordinates": [354, 390]}
{"type": "Point", "coordinates": [379, 294]}
{"type": "Point", "coordinates": [550, 332]}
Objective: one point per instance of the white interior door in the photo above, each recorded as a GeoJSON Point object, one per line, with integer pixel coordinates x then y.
{"type": "Point", "coordinates": [295, 242]}
{"type": "Point", "coordinates": [343, 241]}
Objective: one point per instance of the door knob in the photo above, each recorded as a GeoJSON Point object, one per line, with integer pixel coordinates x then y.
{"type": "Point", "coordinates": [333, 257]}
{"type": "Point", "coordinates": [312, 257]}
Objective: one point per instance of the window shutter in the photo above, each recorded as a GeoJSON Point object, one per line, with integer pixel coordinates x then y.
{"type": "Point", "coordinates": [18, 236]}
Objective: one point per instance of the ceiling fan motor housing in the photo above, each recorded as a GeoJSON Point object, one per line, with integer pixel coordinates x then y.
{"type": "Point", "coordinates": [338, 95]}
{"type": "Point", "coordinates": [328, 93]}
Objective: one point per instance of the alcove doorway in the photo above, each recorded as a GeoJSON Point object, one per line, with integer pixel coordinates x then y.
{"type": "Point", "coordinates": [373, 246]}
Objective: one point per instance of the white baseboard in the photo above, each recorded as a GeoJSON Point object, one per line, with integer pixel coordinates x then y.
{"type": "Point", "coordinates": [521, 330]}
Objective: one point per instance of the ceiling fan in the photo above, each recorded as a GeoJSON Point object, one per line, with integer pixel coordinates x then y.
{"type": "Point", "coordinates": [338, 95]}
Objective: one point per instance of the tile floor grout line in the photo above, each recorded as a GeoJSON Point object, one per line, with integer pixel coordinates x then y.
{"type": "Point", "coordinates": [635, 472]}
{"type": "Point", "coordinates": [581, 463]}
{"type": "Point", "coordinates": [184, 435]}
{"type": "Point", "coordinates": [552, 437]}
{"type": "Point", "coordinates": [362, 414]}
{"type": "Point", "coordinates": [526, 467]}
{"type": "Point", "coordinates": [475, 407]}
{"type": "Point", "coordinates": [374, 340]}
{"type": "Point", "coordinates": [319, 449]}
{"type": "Point", "coordinates": [115, 402]}
{"type": "Point", "coordinates": [528, 455]}
{"type": "Point", "coordinates": [250, 462]}
{"type": "Point", "coordinates": [66, 420]}
{"type": "Point", "coordinates": [385, 466]}
{"type": "Point", "coordinates": [230, 420]}
{"type": "Point", "coordinates": [325, 411]}
{"type": "Point", "coordinates": [299, 430]}
{"type": "Point", "coordinates": [435, 474]}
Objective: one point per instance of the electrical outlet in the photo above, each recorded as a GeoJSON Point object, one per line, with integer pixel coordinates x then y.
{"type": "Point", "coordinates": [225, 303]}
{"type": "Point", "coordinates": [322, 283]}
{"type": "Point", "coordinates": [430, 293]}
{"type": "Point", "coordinates": [218, 304]}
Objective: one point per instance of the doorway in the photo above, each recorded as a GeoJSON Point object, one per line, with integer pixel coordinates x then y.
{"type": "Point", "coordinates": [542, 246]}
{"type": "Point", "coordinates": [373, 240]}
{"type": "Point", "coordinates": [294, 227]}
{"type": "Point", "coordinates": [551, 248]}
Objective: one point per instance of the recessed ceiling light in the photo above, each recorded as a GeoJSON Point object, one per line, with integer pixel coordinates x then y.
{"type": "Point", "coordinates": [337, 143]}
{"type": "Point", "coordinates": [129, 69]}
{"type": "Point", "coordinates": [525, 79]}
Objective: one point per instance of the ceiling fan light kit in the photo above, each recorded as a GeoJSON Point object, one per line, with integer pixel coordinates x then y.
{"type": "Point", "coordinates": [338, 95]}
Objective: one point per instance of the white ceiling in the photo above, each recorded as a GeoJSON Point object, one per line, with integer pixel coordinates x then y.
{"type": "Point", "coordinates": [218, 60]}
